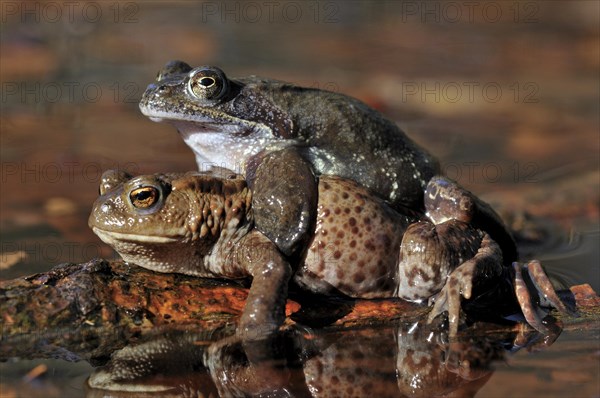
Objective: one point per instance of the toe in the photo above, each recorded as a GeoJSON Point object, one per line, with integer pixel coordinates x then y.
{"type": "Point", "coordinates": [441, 304]}
{"type": "Point", "coordinates": [454, 306]}
{"type": "Point", "coordinates": [524, 299]}
{"type": "Point", "coordinates": [448, 300]}
{"type": "Point", "coordinates": [544, 286]}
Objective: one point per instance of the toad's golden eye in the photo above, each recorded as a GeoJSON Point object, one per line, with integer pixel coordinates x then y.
{"type": "Point", "coordinates": [144, 197]}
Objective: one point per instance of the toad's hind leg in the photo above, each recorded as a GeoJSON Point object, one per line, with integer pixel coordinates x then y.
{"type": "Point", "coordinates": [485, 264]}
{"type": "Point", "coordinates": [444, 261]}
{"type": "Point", "coordinates": [429, 253]}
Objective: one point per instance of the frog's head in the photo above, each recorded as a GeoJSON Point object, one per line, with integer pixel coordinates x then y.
{"type": "Point", "coordinates": [199, 101]}
{"type": "Point", "coordinates": [168, 222]}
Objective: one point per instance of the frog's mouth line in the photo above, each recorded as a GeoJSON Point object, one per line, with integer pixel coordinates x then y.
{"type": "Point", "coordinates": [188, 116]}
{"type": "Point", "coordinates": [111, 236]}
{"type": "Point", "coordinates": [198, 123]}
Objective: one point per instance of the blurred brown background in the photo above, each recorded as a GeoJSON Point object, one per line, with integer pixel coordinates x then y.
{"type": "Point", "coordinates": [506, 94]}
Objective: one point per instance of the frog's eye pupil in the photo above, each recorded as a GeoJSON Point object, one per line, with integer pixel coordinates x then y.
{"type": "Point", "coordinates": [207, 82]}
{"type": "Point", "coordinates": [144, 197]}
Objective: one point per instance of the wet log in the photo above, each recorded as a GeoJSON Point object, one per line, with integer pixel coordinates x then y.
{"type": "Point", "coordinates": [99, 306]}
{"type": "Point", "coordinates": [86, 311]}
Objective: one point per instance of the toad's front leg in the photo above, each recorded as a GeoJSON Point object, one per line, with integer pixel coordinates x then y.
{"type": "Point", "coordinates": [260, 259]}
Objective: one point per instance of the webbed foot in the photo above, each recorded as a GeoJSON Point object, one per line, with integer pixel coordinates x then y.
{"type": "Point", "coordinates": [542, 288]}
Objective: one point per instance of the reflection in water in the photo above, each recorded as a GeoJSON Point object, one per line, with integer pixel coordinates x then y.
{"type": "Point", "coordinates": [393, 361]}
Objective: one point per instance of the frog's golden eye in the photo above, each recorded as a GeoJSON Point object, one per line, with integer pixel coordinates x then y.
{"type": "Point", "coordinates": [144, 197]}
{"type": "Point", "coordinates": [207, 83]}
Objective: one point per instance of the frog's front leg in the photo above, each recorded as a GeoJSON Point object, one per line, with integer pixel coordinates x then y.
{"type": "Point", "coordinates": [284, 197]}
{"type": "Point", "coordinates": [259, 258]}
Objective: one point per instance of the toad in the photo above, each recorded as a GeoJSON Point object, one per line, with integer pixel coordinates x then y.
{"type": "Point", "coordinates": [202, 224]}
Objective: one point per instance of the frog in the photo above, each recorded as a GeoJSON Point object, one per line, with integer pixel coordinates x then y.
{"type": "Point", "coordinates": [282, 137]}
{"type": "Point", "coordinates": [202, 224]}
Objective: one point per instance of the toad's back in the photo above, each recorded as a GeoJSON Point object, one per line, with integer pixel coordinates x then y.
{"type": "Point", "coordinates": [350, 249]}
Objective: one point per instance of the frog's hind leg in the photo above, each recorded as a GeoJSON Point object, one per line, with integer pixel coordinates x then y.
{"type": "Point", "coordinates": [532, 311]}
{"type": "Point", "coordinates": [548, 295]}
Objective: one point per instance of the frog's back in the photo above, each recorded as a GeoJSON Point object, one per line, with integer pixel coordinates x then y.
{"type": "Point", "coordinates": [345, 137]}
{"type": "Point", "coordinates": [354, 236]}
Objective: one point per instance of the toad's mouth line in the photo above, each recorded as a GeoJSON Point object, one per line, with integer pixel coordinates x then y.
{"type": "Point", "coordinates": [110, 236]}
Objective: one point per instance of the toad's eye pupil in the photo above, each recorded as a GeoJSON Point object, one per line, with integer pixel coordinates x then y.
{"type": "Point", "coordinates": [207, 81]}
{"type": "Point", "coordinates": [143, 195]}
